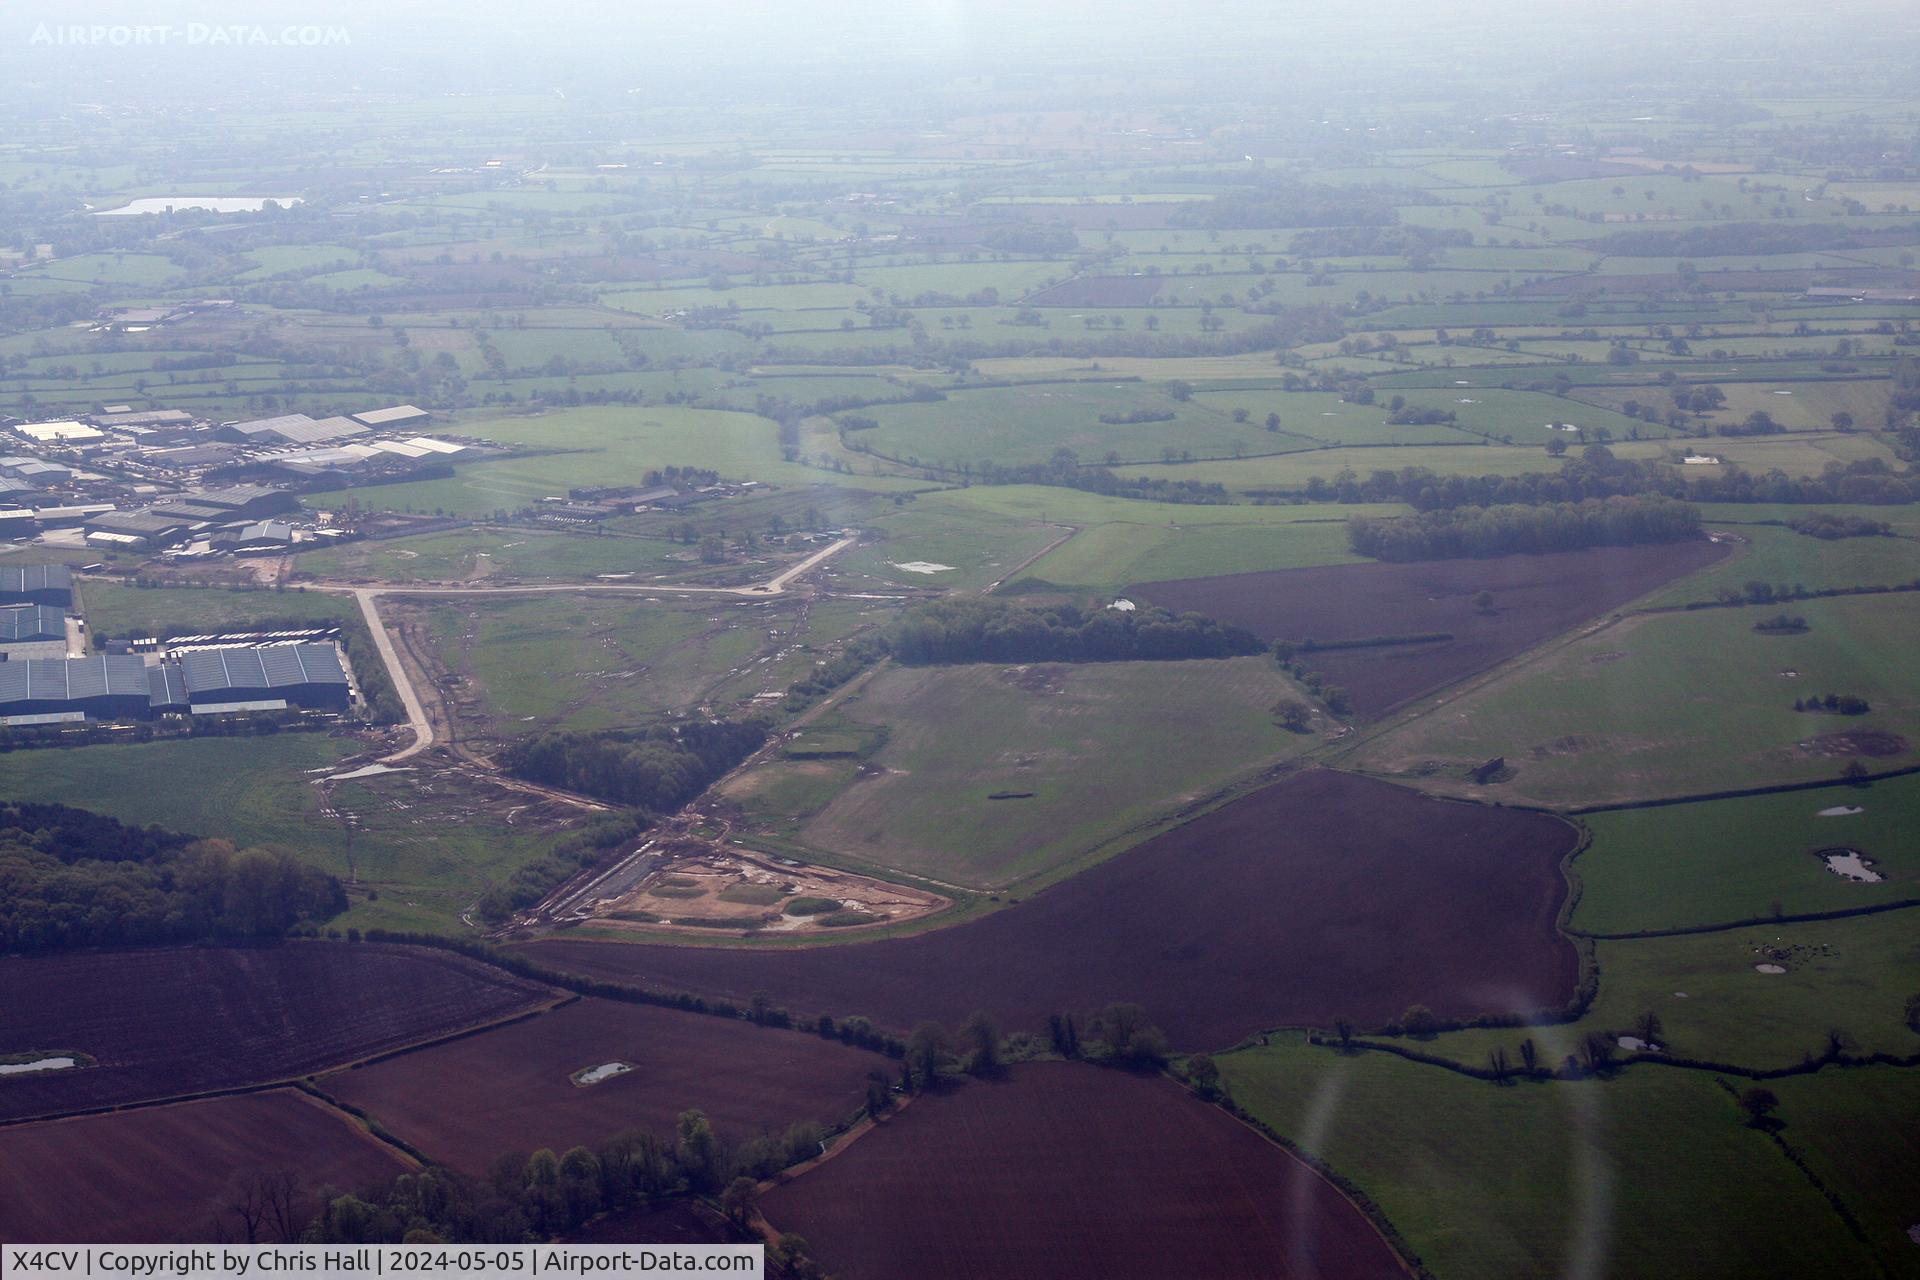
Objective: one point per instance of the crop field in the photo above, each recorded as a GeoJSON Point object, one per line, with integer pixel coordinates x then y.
{"type": "Point", "coordinates": [513, 1089]}
{"type": "Point", "coordinates": [1323, 895]}
{"type": "Point", "coordinates": [1534, 598]}
{"type": "Point", "coordinates": [1647, 1174]}
{"type": "Point", "coordinates": [173, 1173]}
{"type": "Point", "coordinates": [958, 737]}
{"type": "Point", "coordinates": [161, 1023]}
{"type": "Point", "coordinates": [1595, 720]}
{"type": "Point", "coordinates": [1715, 1005]}
{"type": "Point", "coordinates": [1079, 1171]}
{"type": "Point", "coordinates": [1721, 861]}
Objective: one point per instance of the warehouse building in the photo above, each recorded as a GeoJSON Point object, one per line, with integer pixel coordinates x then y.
{"type": "Point", "coordinates": [167, 689]}
{"type": "Point", "coordinates": [289, 428]}
{"type": "Point", "coordinates": [111, 687]}
{"type": "Point", "coordinates": [35, 471]}
{"type": "Point", "coordinates": [399, 415]}
{"type": "Point", "coordinates": [48, 584]}
{"type": "Point", "coordinates": [265, 678]}
{"type": "Point", "coordinates": [33, 630]}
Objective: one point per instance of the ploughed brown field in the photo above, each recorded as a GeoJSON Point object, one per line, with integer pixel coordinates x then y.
{"type": "Point", "coordinates": [1062, 1169]}
{"type": "Point", "coordinates": [166, 1022]}
{"type": "Point", "coordinates": [1322, 895]}
{"type": "Point", "coordinates": [511, 1089]}
{"type": "Point", "coordinates": [1534, 599]}
{"type": "Point", "coordinates": [170, 1173]}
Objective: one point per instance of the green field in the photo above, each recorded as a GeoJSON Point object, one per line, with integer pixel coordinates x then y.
{"type": "Point", "coordinates": [1851, 975]}
{"type": "Point", "coordinates": [1855, 1130]}
{"type": "Point", "coordinates": [427, 852]}
{"type": "Point", "coordinates": [1720, 861]}
{"type": "Point", "coordinates": [481, 555]}
{"type": "Point", "coordinates": [957, 735]}
{"type": "Point", "coordinates": [1649, 1174]}
{"type": "Point", "coordinates": [1679, 704]}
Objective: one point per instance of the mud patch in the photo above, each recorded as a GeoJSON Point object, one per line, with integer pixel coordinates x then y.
{"type": "Point", "coordinates": [1874, 743]}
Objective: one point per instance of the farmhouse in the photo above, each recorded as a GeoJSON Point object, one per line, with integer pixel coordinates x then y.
{"type": "Point", "coordinates": [47, 584]}
{"type": "Point", "coordinates": [111, 687]}
{"type": "Point", "coordinates": [264, 677]}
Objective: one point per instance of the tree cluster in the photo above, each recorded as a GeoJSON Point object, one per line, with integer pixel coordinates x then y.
{"type": "Point", "coordinates": [70, 878]}
{"type": "Point", "coordinates": [976, 629]}
{"type": "Point", "coordinates": [1830, 527]}
{"type": "Point", "coordinates": [658, 769]}
{"type": "Point", "coordinates": [1477, 532]}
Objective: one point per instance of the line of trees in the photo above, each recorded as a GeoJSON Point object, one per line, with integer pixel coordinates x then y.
{"type": "Point", "coordinates": [977, 629]}
{"type": "Point", "coordinates": [70, 878]}
{"type": "Point", "coordinates": [1505, 530]}
{"type": "Point", "coordinates": [1597, 473]}
{"type": "Point", "coordinates": [658, 768]}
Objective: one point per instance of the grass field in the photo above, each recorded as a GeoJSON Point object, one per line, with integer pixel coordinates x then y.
{"type": "Point", "coordinates": [480, 554]}
{"type": "Point", "coordinates": [426, 850]}
{"type": "Point", "coordinates": [1627, 1177]}
{"type": "Point", "coordinates": [1725, 860]}
{"type": "Point", "coordinates": [1855, 1130]}
{"type": "Point", "coordinates": [118, 610]}
{"type": "Point", "coordinates": [957, 735]}
{"type": "Point", "coordinates": [1781, 557]}
{"type": "Point", "coordinates": [1680, 704]}
{"type": "Point", "coordinates": [1848, 975]}
{"type": "Point", "coordinates": [601, 446]}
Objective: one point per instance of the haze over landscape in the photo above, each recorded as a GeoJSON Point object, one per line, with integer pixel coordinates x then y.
{"type": "Point", "coordinates": [965, 639]}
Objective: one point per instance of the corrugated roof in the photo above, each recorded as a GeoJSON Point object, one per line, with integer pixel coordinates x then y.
{"type": "Point", "coordinates": [263, 667]}
{"type": "Point", "coordinates": [32, 622]}
{"type": "Point", "coordinates": [72, 679]}
{"type": "Point", "coordinates": [21, 578]}
{"type": "Point", "coordinates": [166, 687]}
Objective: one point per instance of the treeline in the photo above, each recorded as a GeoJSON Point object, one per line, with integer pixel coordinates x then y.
{"type": "Point", "coordinates": [70, 878]}
{"type": "Point", "coordinates": [1830, 527]}
{"type": "Point", "coordinates": [977, 629]}
{"type": "Point", "coordinates": [1069, 474]}
{"type": "Point", "coordinates": [545, 1195]}
{"type": "Point", "coordinates": [1597, 473]}
{"type": "Point", "coordinates": [1740, 238]}
{"type": "Point", "coordinates": [657, 769]}
{"type": "Point", "coordinates": [1505, 530]}
{"type": "Point", "coordinates": [1279, 202]}
{"type": "Point", "coordinates": [1357, 242]}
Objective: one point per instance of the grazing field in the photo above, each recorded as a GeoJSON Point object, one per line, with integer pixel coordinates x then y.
{"type": "Point", "coordinates": [1649, 1175]}
{"type": "Point", "coordinates": [1852, 976]}
{"type": "Point", "coordinates": [512, 1089]}
{"type": "Point", "coordinates": [1320, 896]}
{"type": "Point", "coordinates": [173, 1173]}
{"type": "Point", "coordinates": [1782, 558]}
{"type": "Point", "coordinates": [1534, 599]}
{"type": "Point", "coordinates": [488, 554]}
{"type": "Point", "coordinates": [1600, 719]}
{"type": "Point", "coordinates": [1721, 861]}
{"type": "Point", "coordinates": [166, 1022]}
{"type": "Point", "coordinates": [1064, 1169]}
{"type": "Point", "coordinates": [957, 737]}
{"type": "Point", "coordinates": [1855, 1130]}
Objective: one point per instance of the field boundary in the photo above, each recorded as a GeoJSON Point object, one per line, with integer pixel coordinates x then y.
{"type": "Point", "coordinates": [1752, 922]}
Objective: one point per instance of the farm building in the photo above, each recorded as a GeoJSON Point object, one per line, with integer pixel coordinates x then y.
{"type": "Point", "coordinates": [48, 584]}
{"type": "Point", "coordinates": [399, 415]}
{"type": "Point", "coordinates": [111, 687]}
{"type": "Point", "coordinates": [303, 675]}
